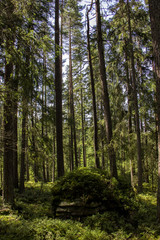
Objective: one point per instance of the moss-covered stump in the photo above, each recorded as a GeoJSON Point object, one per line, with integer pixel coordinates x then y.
{"type": "Point", "coordinates": [85, 192]}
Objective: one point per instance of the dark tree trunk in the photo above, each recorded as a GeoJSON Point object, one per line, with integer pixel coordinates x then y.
{"type": "Point", "coordinates": [15, 127]}
{"type": "Point", "coordinates": [72, 114]}
{"type": "Point", "coordinates": [83, 130]}
{"type": "Point", "coordinates": [107, 112]}
{"type": "Point", "coordinates": [8, 180]}
{"type": "Point", "coordinates": [23, 149]}
{"type": "Point", "coordinates": [27, 157]}
{"type": "Point", "coordinates": [129, 110]}
{"type": "Point", "coordinates": [54, 154]}
{"type": "Point", "coordinates": [43, 114]}
{"type": "Point", "coordinates": [58, 89]}
{"type": "Point", "coordinates": [154, 8]}
{"type": "Point", "coordinates": [96, 148]}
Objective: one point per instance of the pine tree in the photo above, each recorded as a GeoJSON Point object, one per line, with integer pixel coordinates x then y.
{"type": "Point", "coordinates": [107, 111]}
{"type": "Point", "coordinates": [58, 89]}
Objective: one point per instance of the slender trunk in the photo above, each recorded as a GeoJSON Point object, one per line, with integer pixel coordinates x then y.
{"type": "Point", "coordinates": [54, 153]}
{"type": "Point", "coordinates": [61, 38]}
{"type": "Point", "coordinates": [72, 114]}
{"type": "Point", "coordinates": [102, 136]}
{"type": "Point", "coordinates": [96, 148]}
{"type": "Point", "coordinates": [15, 127]}
{"type": "Point", "coordinates": [58, 89]}
{"type": "Point", "coordinates": [8, 184]}
{"type": "Point", "coordinates": [83, 130]}
{"type": "Point", "coordinates": [33, 147]}
{"type": "Point", "coordinates": [129, 114]}
{"type": "Point", "coordinates": [107, 112]}
{"type": "Point", "coordinates": [135, 99]}
{"type": "Point", "coordinates": [27, 157]}
{"type": "Point", "coordinates": [43, 114]}
{"type": "Point", "coordinates": [23, 148]}
{"type": "Point", "coordinates": [146, 155]}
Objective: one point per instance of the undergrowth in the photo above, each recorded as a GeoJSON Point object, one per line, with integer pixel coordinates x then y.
{"type": "Point", "coordinates": [31, 218]}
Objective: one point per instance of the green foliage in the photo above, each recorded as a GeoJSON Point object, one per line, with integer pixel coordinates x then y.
{"type": "Point", "coordinates": [35, 201]}
{"type": "Point", "coordinates": [25, 222]}
{"type": "Point", "coordinates": [91, 185]}
{"type": "Point", "coordinates": [82, 183]}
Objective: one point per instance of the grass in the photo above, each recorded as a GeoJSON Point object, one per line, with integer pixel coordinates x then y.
{"type": "Point", "coordinates": [32, 219]}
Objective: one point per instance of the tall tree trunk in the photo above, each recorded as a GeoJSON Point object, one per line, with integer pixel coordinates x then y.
{"type": "Point", "coordinates": [8, 180]}
{"type": "Point", "coordinates": [58, 89]}
{"type": "Point", "coordinates": [154, 8]}
{"type": "Point", "coordinates": [129, 110]}
{"type": "Point", "coordinates": [102, 137]}
{"type": "Point", "coordinates": [72, 114]}
{"type": "Point", "coordinates": [27, 157]}
{"type": "Point", "coordinates": [43, 114]}
{"type": "Point", "coordinates": [15, 127]}
{"type": "Point", "coordinates": [83, 130]}
{"type": "Point", "coordinates": [23, 148]}
{"type": "Point", "coordinates": [107, 112]}
{"type": "Point", "coordinates": [96, 148]}
{"type": "Point", "coordinates": [34, 150]}
{"type": "Point", "coordinates": [8, 183]}
{"type": "Point", "coordinates": [135, 99]}
{"type": "Point", "coordinates": [54, 153]}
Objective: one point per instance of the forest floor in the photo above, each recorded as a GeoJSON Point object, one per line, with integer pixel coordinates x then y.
{"type": "Point", "coordinates": [32, 219]}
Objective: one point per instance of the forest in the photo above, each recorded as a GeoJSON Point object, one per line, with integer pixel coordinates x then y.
{"type": "Point", "coordinates": [79, 119]}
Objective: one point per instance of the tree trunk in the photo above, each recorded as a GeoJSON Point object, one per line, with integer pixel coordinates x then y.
{"type": "Point", "coordinates": [72, 114]}
{"type": "Point", "coordinates": [154, 8]}
{"type": "Point", "coordinates": [83, 130]}
{"type": "Point", "coordinates": [8, 183]}
{"type": "Point", "coordinates": [15, 127]}
{"type": "Point", "coordinates": [107, 112]}
{"type": "Point", "coordinates": [58, 89]}
{"type": "Point", "coordinates": [43, 114]}
{"type": "Point", "coordinates": [27, 157]}
{"type": "Point", "coordinates": [54, 154]}
{"type": "Point", "coordinates": [23, 149]}
{"type": "Point", "coordinates": [8, 180]}
{"type": "Point", "coordinates": [96, 148]}
{"type": "Point", "coordinates": [129, 111]}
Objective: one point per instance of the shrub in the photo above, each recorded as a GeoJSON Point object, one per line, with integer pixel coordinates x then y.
{"type": "Point", "coordinates": [90, 186]}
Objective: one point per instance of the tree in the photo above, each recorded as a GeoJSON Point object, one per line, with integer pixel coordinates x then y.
{"type": "Point", "coordinates": [58, 89]}
{"type": "Point", "coordinates": [8, 180]}
{"type": "Point", "coordinates": [107, 111]}
{"type": "Point", "coordinates": [97, 163]}
{"type": "Point", "coordinates": [154, 8]}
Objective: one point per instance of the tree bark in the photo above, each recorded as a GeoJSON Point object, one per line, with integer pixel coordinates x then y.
{"type": "Point", "coordinates": [23, 148]}
{"type": "Point", "coordinates": [8, 181]}
{"type": "Point", "coordinates": [96, 147]}
{"type": "Point", "coordinates": [43, 114]}
{"type": "Point", "coordinates": [106, 102]}
{"type": "Point", "coordinates": [129, 111]}
{"type": "Point", "coordinates": [15, 127]}
{"type": "Point", "coordinates": [83, 130]}
{"type": "Point", "coordinates": [58, 89]}
{"type": "Point", "coordinates": [72, 114]}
